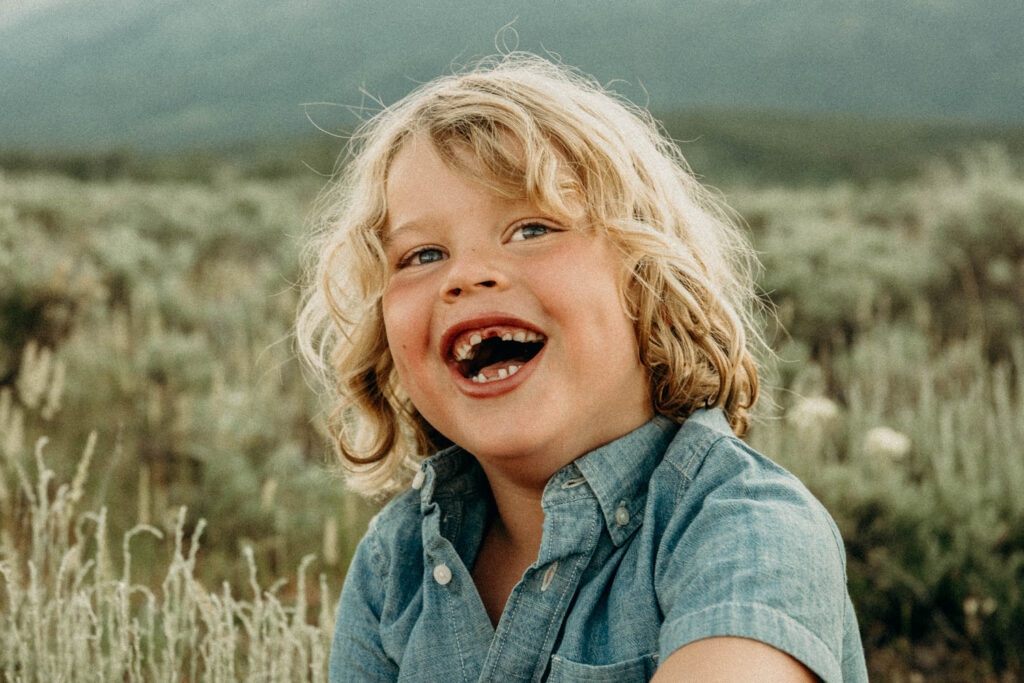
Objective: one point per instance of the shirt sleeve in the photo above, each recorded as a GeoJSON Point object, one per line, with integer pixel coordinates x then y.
{"type": "Point", "coordinates": [357, 653]}
{"type": "Point", "coordinates": [757, 557]}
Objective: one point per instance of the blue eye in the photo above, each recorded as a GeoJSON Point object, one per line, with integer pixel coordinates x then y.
{"type": "Point", "coordinates": [421, 256]}
{"type": "Point", "coordinates": [529, 231]}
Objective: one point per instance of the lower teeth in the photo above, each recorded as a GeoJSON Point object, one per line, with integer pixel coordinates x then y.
{"type": "Point", "coordinates": [502, 374]}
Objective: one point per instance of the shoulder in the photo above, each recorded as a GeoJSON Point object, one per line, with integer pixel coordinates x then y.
{"type": "Point", "coordinates": [399, 510]}
{"type": "Point", "coordinates": [744, 549]}
{"type": "Point", "coordinates": [707, 471]}
{"type": "Point", "coordinates": [726, 503]}
{"type": "Point", "coordinates": [372, 594]}
{"type": "Point", "coordinates": [393, 532]}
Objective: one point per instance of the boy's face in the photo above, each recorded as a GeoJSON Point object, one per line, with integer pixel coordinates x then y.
{"type": "Point", "coordinates": [505, 325]}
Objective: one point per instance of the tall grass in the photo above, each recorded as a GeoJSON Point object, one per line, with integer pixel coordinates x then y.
{"type": "Point", "coordinates": [67, 613]}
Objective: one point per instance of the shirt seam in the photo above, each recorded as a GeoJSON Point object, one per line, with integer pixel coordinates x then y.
{"type": "Point", "coordinates": [761, 605]}
{"type": "Point", "coordinates": [701, 455]}
{"type": "Point", "coordinates": [842, 557]}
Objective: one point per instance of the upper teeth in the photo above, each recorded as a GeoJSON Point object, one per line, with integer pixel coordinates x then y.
{"type": "Point", "coordinates": [466, 349]}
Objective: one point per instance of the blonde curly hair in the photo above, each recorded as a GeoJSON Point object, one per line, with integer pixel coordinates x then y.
{"type": "Point", "coordinates": [547, 133]}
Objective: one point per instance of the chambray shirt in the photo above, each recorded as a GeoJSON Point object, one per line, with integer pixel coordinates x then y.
{"type": "Point", "coordinates": [665, 536]}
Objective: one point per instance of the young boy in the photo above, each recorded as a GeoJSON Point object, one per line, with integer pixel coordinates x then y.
{"type": "Point", "coordinates": [518, 269]}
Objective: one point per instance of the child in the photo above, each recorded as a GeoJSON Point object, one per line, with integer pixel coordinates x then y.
{"type": "Point", "coordinates": [519, 275]}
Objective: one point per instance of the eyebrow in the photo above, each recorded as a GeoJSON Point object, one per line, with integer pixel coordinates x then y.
{"type": "Point", "coordinates": [388, 236]}
{"type": "Point", "coordinates": [422, 222]}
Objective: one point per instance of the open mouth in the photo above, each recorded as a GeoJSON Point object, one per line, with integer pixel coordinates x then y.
{"type": "Point", "coordinates": [494, 353]}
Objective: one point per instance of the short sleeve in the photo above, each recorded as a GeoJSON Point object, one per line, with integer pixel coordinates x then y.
{"type": "Point", "coordinates": [356, 652]}
{"type": "Point", "coordinates": [752, 553]}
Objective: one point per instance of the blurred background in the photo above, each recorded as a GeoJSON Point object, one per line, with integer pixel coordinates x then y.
{"type": "Point", "coordinates": [159, 163]}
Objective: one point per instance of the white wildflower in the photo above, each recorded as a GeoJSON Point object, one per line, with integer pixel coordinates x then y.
{"type": "Point", "coordinates": [883, 442]}
{"type": "Point", "coordinates": [55, 390]}
{"type": "Point", "coordinates": [145, 496]}
{"type": "Point", "coordinates": [34, 373]}
{"type": "Point", "coordinates": [13, 434]}
{"type": "Point", "coordinates": [814, 413]}
{"type": "Point", "coordinates": [82, 471]}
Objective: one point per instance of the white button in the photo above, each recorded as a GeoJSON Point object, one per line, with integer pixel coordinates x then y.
{"type": "Point", "coordinates": [417, 481]}
{"type": "Point", "coordinates": [621, 515]}
{"type": "Point", "coordinates": [442, 574]}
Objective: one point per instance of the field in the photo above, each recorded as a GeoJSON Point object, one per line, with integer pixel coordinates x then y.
{"type": "Point", "coordinates": [168, 508]}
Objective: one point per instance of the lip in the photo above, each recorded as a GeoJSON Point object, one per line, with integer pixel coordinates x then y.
{"type": "Point", "coordinates": [495, 387]}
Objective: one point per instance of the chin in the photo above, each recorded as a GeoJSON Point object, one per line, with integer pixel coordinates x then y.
{"type": "Point", "coordinates": [501, 442]}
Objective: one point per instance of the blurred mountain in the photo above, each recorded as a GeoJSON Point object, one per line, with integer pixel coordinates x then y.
{"type": "Point", "coordinates": [174, 74]}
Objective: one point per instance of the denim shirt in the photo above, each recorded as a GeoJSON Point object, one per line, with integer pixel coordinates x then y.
{"type": "Point", "coordinates": [665, 536]}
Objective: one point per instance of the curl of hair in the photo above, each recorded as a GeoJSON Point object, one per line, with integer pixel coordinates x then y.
{"type": "Point", "coordinates": [549, 134]}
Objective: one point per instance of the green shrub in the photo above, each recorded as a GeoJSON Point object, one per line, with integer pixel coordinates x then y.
{"type": "Point", "coordinates": [159, 315]}
{"type": "Point", "coordinates": [920, 465]}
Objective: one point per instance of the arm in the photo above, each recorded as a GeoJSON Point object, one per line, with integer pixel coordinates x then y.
{"type": "Point", "coordinates": [725, 658]}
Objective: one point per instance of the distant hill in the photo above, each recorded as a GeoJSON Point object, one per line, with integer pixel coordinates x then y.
{"type": "Point", "coordinates": [723, 146]}
{"type": "Point", "coordinates": [175, 74]}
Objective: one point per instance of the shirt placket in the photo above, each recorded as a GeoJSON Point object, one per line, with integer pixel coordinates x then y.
{"type": "Point", "coordinates": [534, 613]}
{"type": "Point", "coordinates": [450, 593]}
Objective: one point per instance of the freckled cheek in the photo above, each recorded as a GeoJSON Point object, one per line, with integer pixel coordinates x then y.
{"type": "Point", "coordinates": [404, 356]}
{"type": "Point", "coordinates": [407, 328]}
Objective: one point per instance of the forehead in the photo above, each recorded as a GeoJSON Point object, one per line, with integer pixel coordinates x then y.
{"type": "Point", "coordinates": [421, 190]}
{"type": "Point", "coordinates": [418, 168]}
{"type": "Point", "coordinates": [495, 160]}
{"type": "Point", "coordinates": [417, 157]}
{"type": "Point", "coordinates": [500, 169]}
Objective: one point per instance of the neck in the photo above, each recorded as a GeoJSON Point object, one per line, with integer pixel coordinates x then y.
{"type": "Point", "coordinates": [520, 520]}
{"type": "Point", "coordinates": [517, 483]}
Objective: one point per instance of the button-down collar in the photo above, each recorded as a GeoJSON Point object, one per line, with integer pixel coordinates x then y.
{"type": "Point", "coordinates": [450, 473]}
{"type": "Point", "coordinates": [616, 475]}
{"type": "Point", "coordinates": [619, 472]}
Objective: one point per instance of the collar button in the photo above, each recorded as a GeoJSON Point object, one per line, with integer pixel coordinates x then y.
{"type": "Point", "coordinates": [622, 514]}
{"type": "Point", "coordinates": [442, 574]}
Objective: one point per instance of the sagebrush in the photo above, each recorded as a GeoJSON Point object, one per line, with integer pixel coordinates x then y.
{"type": "Point", "coordinates": [158, 315]}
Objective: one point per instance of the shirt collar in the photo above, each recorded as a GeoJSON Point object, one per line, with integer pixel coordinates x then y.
{"type": "Point", "coordinates": [618, 472]}
{"type": "Point", "coordinates": [450, 473]}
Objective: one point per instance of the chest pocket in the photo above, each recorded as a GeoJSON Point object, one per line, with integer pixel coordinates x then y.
{"type": "Point", "coordinates": [565, 670]}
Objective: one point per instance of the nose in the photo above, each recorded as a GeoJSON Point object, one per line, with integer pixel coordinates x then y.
{"type": "Point", "coordinates": [471, 273]}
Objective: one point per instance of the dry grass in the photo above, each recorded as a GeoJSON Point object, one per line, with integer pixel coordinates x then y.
{"type": "Point", "coordinates": [66, 614]}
